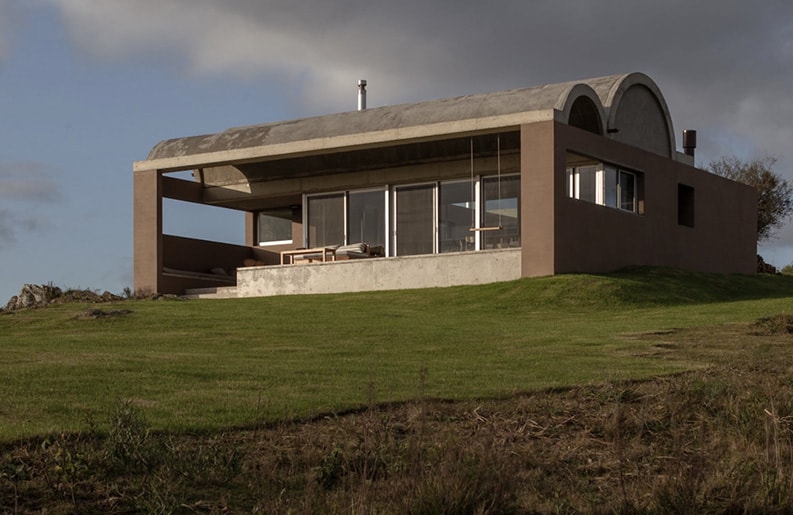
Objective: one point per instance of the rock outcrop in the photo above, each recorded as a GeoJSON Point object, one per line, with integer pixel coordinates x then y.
{"type": "Point", "coordinates": [40, 295]}
{"type": "Point", "coordinates": [33, 296]}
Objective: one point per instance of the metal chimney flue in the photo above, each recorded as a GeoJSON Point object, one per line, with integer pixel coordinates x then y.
{"type": "Point", "coordinates": [362, 95]}
{"type": "Point", "coordinates": [689, 142]}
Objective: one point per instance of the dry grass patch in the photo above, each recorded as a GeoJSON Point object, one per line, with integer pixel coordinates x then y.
{"type": "Point", "coordinates": [719, 439]}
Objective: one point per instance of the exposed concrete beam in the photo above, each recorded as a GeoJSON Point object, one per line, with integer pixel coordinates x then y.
{"type": "Point", "coordinates": [180, 189]}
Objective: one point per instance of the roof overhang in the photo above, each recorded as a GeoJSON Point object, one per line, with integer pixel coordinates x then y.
{"type": "Point", "coordinates": [347, 142]}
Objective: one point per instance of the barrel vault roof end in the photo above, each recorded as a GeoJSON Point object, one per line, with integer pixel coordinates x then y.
{"type": "Point", "coordinates": [469, 107]}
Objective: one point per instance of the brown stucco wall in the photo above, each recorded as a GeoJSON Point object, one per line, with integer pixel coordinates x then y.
{"type": "Point", "coordinates": [193, 255]}
{"type": "Point", "coordinates": [537, 187]}
{"type": "Point", "coordinates": [196, 255]}
{"type": "Point", "coordinates": [147, 231]}
{"type": "Point", "coordinates": [593, 238]}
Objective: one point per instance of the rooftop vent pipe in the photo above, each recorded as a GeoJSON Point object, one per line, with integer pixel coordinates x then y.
{"type": "Point", "coordinates": [362, 95]}
{"type": "Point", "coordinates": [689, 141]}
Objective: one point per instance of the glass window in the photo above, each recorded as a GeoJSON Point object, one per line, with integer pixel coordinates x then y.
{"type": "Point", "coordinates": [427, 218]}
{"type": "Point", "coordinates": [586, 183]}
{"type": "Point", "coordinates": [603, 185]}
{"type": "Point", "coordinates": [415, 220]}
{"type": "Point", "coordinates": [627, 191]}
{"type": "Point", "coordinates": [609, 187]}
{"type": "Point", "coordinates": [457, 212]}
{"type": "Point", "coordinates": [366, 217]}
{"type": "Point", "coordinates": [275, 227]}
{"type": "Point", "coordinates": [582, 183]}
{"type": "Point", "coordinates": [501, 207]}
{"type": "Point", "coordinates": [325, 220]}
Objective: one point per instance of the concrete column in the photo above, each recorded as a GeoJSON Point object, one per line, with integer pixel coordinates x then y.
{"type": "Point", "coordinates": [537, 207]}
{"type": "Point", "coordinates": [147, 231]}
{"type": "Point", "coordinates": [250, 229]}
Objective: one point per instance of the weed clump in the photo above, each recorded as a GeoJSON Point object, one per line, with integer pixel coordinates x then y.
{"type": "Point", "coordinates": [774, 325]}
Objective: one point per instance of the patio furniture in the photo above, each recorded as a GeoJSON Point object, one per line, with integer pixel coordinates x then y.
{"type": "Point", "coordinates": [353, 251]}
{"type": "Point", "coordinates": [288, 256]}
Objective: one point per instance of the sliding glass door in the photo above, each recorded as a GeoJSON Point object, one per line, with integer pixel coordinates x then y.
{"type": "Point", "coordinates": [501, 212]}
{"type": "Point", "coordinates": [349, 217]}
{"type": "Point", "coordinates": [456, 217]}
{"type": "Point", "coordinates": [366, 217]}
{"type": "Point", "coordinates": [424, 218]}
{"type": "Point", "coordinates": [415, 220]}
{"type": "Point", "coordinates": [325, 220]}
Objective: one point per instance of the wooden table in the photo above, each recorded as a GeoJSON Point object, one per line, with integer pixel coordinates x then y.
{"type": "Point", "coordinates": [319, 251]}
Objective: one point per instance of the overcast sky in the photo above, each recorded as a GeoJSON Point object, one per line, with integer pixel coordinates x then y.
{"type": "Point", "coordinates": [89, 86]}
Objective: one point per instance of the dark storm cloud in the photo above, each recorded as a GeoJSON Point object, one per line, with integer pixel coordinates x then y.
{"type": "Point", "coordinates": [724, 67]}
{"type": "Point", "coordinates": [551, 39]}
{"type": "Point", "coordinates": [421, 49]}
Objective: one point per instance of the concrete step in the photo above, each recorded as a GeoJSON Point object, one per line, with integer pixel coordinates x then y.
{"type": "Point", "coordinates": [220, 292]}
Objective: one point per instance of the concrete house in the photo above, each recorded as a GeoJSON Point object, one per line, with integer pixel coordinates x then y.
{"type": "Point", "coordinates": [582, 176]}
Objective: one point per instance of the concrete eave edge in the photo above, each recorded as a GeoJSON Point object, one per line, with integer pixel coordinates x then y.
{"type": "Point", "coordinates": [346, 142]}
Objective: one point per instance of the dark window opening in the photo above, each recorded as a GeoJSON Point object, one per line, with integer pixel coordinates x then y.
{"type": "Point", "coordinates": [584, 115]}
{"type": "Point", "coordinates": [685, 205]}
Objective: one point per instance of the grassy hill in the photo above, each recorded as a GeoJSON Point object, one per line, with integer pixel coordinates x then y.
{"type": "Point", "coordinates": [196, 365]}
{"type": "Point", "coordinates": [537, 354]}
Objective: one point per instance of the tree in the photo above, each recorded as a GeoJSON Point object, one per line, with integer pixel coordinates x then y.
{"type": "Point", "coordinates": [774, 194]}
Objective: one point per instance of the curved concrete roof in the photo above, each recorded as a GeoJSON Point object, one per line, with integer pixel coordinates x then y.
{"type": "Point", "coordinates": [471, 113]}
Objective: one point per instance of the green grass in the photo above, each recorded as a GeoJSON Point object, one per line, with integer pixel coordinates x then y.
{"type": "Point", "coordinates": [206, 365]}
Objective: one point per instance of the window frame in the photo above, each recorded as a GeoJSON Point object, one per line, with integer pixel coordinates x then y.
{"type": "Point", "coordinates": [391, 208]}
{"type": "Point", "coordinates": [345, 212]}
{"type": "Point", "coordinates": [610, 185]}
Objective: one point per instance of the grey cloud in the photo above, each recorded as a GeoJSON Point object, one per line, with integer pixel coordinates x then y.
{"type": "Point", "coordinates": [5, 28]}
{"type": "Point", "coordinates": [13, 223]}
{"type": "Point", "coordinates": [37, 224]}
{"type": "Point", "coordinates": [28, 187]}
{"type": "Point", "coordinates": [27, 182]}
{"type": "Point", "coordinates": [417, 49]}
{"type": "Point", "coordinates": [725, 69]}
{"type": "Point", "coordinates": [12, 17]}
{"type": "Point", "coordinates": [7, 237]}
{"type": "Point", "coordinates": [709, 59]}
